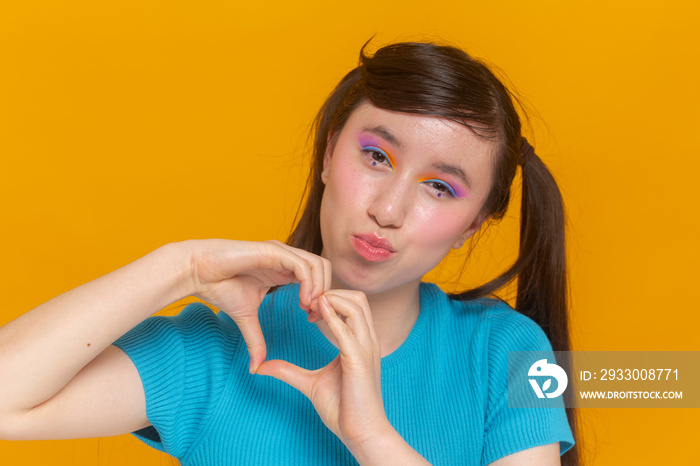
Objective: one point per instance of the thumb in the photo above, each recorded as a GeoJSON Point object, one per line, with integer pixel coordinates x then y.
{"type": "Point", "coordinates": [254, 340]}
{"type": "Point", "coordinates": [299, 378]}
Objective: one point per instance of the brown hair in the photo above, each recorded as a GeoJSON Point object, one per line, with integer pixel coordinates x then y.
{"type": "Point", "coordinates": [438, 80]}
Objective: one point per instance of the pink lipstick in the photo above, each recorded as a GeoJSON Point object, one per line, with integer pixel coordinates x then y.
{"type": "Point", "coordinates": [372, 247]}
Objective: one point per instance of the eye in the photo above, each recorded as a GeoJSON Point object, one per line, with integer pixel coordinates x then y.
{"type": "Point", "coordinates": [377, 156]}
{"type": "Point", "coordinates": [441, 188]}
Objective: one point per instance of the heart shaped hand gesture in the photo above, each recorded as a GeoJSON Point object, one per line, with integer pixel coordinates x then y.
{"type": "Point", "coordinates": [347, 392]}
{"type": "Point", "coordinates": [234, 276]}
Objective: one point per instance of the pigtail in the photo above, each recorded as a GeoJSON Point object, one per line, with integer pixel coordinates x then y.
{"type": "Point", "coordinates": [540, 268]}
{"type": "Point", "coordinates": [542, 280]}
{"type": "Point", "coordinates": [541, 265]}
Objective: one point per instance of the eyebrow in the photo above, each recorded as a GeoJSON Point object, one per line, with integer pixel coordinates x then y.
{"type": "Point", "coordinates": [454, 171]}
{"type": "Point", "coordinates": [383, 133]}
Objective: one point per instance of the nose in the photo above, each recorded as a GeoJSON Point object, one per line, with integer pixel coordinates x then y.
{"type": "Point", "coordinates": [389, 204]}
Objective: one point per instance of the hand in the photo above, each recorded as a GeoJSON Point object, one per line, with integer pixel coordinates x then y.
{"type": "Point", "coordinates": [347, 392]}
{"type": "Point", "coordinates": [234, 276]}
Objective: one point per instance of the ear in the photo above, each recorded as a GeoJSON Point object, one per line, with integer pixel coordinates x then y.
{"type": "Point", "coordinates": [330, 145]}
{"type": "Point", "coordinates": [473, 228]}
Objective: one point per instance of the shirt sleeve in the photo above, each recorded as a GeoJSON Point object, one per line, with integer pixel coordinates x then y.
{"type": "Point", "coordinates": [510, 429]}
{"type": "Point", "coordinates": [182, 362]}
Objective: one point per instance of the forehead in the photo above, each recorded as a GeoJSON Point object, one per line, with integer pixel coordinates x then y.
{"type": "Point", "coordinates": [424, 140]}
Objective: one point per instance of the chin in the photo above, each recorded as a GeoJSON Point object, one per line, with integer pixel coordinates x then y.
{"type": "Point", "coordinates": [369, 282]}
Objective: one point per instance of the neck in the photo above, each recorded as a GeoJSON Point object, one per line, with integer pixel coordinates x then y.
{"type": "Point", "coordinates": [394, 312]}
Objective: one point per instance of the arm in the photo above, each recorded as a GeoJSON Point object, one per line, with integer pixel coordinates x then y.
{"type": "Point", "coordinates": [545, 455]}
{"type": "Point", "coordinates": [388, 448]}
{"type": "Point", "coordinates": [56, 360]}
{"type": "Point", "coordinates": [44, 349]}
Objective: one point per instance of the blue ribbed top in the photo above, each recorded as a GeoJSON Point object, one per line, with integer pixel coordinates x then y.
{"type": "Point", "coordinates": [444, 388]}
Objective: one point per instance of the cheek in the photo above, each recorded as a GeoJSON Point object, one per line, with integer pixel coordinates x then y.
{"type": "Point", "coordinates": [437, 229]}
{"type": "Point", "coordinates": [341, 196]}
{"type": "Point", "coordinates": [347, 183]}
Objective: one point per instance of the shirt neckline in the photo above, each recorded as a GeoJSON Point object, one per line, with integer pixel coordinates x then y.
{"type": "Point", "coordinates": [397, 356]}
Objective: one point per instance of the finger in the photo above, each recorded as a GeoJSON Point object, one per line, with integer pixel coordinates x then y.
{"type": "Point", "coordinates": [360, 300]}
{"type": "Point", "coordinates": [288, 259]}
{"type": "Point", "coordinates": [346, 322]}
{"type": "Point", "coordinates": [320, 270]}
{"type": "Point", "coordinates": [317, 270]}
{"type": "Point", "coordinates": [315, 315]}
{"type": "Point", "coordinates": [328, 280]}
{"type": "Point", "coordinates": [254, 340]}
{"type": "Point", "coordinates": [355, 315]}
{"type": "Point", "coordinates": [299, 378]}
{"type": "Point", "coordinates": [320, 267]}
{"type": "Point", "coordinates": [328, 274]}
{"type": "Point", "coordinates": [312, 288]}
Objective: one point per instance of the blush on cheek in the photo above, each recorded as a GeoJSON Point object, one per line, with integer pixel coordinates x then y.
{"type": "Point", "coordinates": [439, 229]}
{"type": "Point", "coordinates": [346, 181]}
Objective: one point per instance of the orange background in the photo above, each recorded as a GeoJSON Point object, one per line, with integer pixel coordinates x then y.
{"type": "Point", "coordinates": [128, 124]}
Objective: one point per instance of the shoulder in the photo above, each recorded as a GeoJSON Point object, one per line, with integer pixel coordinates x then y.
{"type": "Point", "coordinates": [489, 320]}
{"type": "Point", "coordinates": [196, 322]}
{"type": "Point", "coordinates": [183, 361]}
{"type": "Point", "coordinates": [479, 335]}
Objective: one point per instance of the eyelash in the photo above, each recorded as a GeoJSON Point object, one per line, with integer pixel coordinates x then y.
{"type": "Point", "coordinates": [441, 187]}
{"type": "Point", "coordinates": [438, 185]}
{"type": "Point", "coordinates": [371, 151]}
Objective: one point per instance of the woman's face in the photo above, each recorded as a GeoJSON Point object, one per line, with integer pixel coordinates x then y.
{"type": "Point", "coordinates": [401, 191]}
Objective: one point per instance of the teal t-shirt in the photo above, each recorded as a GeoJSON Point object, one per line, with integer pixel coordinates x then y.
{"type": "Point", "coordinates": [444, 388]}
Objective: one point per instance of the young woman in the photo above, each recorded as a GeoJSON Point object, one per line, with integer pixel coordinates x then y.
{"type": "Point", "coordinates": [414, 150]}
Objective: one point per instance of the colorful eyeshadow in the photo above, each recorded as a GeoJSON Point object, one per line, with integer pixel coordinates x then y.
{"type": "Point", "coordinates": [369, 142]}
{"type": "Point", "coordinates": [455, 191]}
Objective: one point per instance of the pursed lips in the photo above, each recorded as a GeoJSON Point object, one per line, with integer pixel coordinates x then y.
{"type": "Point", "coordinates": [372, 247]}
{"type": "Point", "coordinates": [376, 241]}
